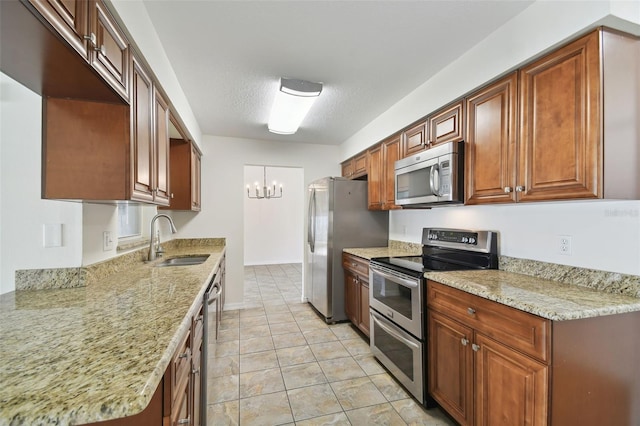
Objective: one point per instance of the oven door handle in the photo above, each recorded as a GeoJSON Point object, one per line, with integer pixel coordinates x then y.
{"type": "Point", "coordinates": [401, 281]}
{"type": "Point", "coordinates": [377, 320]}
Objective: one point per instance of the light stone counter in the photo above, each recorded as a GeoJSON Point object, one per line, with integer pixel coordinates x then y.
{"type": "Point", "coordinates": [395, 248]}
{"type": "Point", "coordinates": [98, 352]}
{"type": "Point", "coordinates": [549, 299]}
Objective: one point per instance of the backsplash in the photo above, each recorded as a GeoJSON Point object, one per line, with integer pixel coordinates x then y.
{"type": "Point", "coordinates": [43, 279]}
{"type": "Point", "coordinates": [610, 282]}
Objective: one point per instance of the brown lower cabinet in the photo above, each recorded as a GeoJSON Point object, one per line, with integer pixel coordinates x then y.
{"type": "Point", "coordinates": [490, 364]}
{"type": "Point", "coordinates": [356, 290]}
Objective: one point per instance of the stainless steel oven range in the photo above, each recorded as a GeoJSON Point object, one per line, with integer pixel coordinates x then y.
{"type": "Point", "coordinates": [397, 291]}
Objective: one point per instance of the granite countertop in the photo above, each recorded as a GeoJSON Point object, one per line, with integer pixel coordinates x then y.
{"type": "Point", "coordinates": [371, 252]}
{"type": "Point", "coordinates": [86, 354]}
{"type": "Point", "coordinates": [543, 297]}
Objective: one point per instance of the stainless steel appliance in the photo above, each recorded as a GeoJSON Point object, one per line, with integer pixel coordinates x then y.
{"type": "Point", "coordinates": [397, 290]}
{"type": "Point", "coordinates": [337, 218]}
{"type": "Point", "coordinates": [430, 178]}
{"type": "Point", "coordinates": [211, 294]}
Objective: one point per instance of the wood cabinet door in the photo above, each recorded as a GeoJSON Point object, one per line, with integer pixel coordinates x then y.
{"type": "Point", "coordinates": [364, 319]}
{"type": "Point", "coordinates": [491, 143]}
{"type": "Point", "coordinates": [162, 190]}
{"type": "Point", "coordinates": [391, 154]}
{"type": "Point", "coordinates": [511, 388]}
{"type": "Point", "coordinates": [414, 140]}
{"type": "Point", "coordinates": [447, 125]}
{"type": "Point", "coordinates": [70, 18]}
{"type": "Point", "coordinates": [351, 294]}
{"type": "Point", "coordinates": [375, 178]}
{"type": "Point", "coordinates": [110, 55]}
{"type": "Point", "coordinates": [360, 165]}
{"type": "Point", "coordinates": [347, 168]}
{"type": "Point", "coordinates": [142, 151]}
{"type": "Point", "coordinates": [196, 163]}
{"type": "Point", "coordinates": [560, 142]}
{"type": "Point", "coordinates": [450, 379]}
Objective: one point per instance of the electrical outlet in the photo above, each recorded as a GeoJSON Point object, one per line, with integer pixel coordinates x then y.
{"type": "Point", "coordinates": [107, 241]}
{"type": "Point", "coordinates": [564, 245]}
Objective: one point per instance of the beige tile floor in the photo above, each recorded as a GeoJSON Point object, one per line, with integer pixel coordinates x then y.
{"type": "Point", "coordinates": [277, 363]}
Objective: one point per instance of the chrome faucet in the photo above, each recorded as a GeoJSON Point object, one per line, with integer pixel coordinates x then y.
{"type": "Point", "coordinates": [153, 253]}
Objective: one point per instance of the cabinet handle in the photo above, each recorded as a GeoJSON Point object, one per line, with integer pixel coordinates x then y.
{"type": "Point", "coordinates": [199, 318]}
{"type": "Point", "coordinates": [471, 311]}
{"type": "Point", "coordinates": [102, 50]}
{"type": "Point", "coordinates": [475, 347]}
{"type": "Point", "coordinates": [507, 189]}
{"type": "Point", "coordinates": [519, 188]}
{"type": "Point", "coordinates": [184, 355]}
{"type": "Point", "coordinates": [184, 421]}
{"type": "Point", "coordinates": [91, 37]}
{"type": "Point", "coordinates": [195, 371]}
{"type": "Point", "coordinates": [464, 341]}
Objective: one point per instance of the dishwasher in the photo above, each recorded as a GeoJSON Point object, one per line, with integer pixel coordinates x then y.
{"type": "Point", "coordinates": [211, 295]}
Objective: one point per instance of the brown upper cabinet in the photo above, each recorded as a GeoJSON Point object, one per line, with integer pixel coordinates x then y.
{"type": "Point", "coordinates": [414, 139]}
{"type": "Point", "coordinates": [555, 148]}
{"type": "Point", "coordinates": [108, 48]}
{"type": "Point", "coordinates": [99, 151]}
{"type": "Point", "coordinates": [185, 176]}
{"type": "Point", "coordinates": [355, 167]}
{"type": "Point", "coordinates": [446, 124]}
{"type": "Point", "coordinates": [381, 175]}
{"type": "Point", "coordinates": [491, 142]}
{"type": "Point", "coordinates": [90, 29]}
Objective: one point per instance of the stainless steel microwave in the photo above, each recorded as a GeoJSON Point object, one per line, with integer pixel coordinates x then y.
{"type": "Point", "coordinates": [431, 178]}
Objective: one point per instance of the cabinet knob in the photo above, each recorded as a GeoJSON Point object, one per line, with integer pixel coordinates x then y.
{"type": "Point", "coordinates": [519, 188]}
{"type": "Point", "coordinates": [184, 421]}
{"type": "Point", "coordinates": [464, 341]}
{"type": "Point", "coordinates": [507, 189]}
{"type": "Point", "coordinates": [184, 355]}
{"type": "Point", "coordinates": [471, 311]}
{"type": "Point", "coordinates": [195, 371]}
{"type": "Point", "coordinates": [475, 347]}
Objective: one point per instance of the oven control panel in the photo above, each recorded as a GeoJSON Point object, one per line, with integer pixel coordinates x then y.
{"type": "Point", "coordinates": [447, 236]}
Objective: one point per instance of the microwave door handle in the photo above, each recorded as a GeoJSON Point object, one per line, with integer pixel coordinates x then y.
{"type": "Point", "coordinates": [311, 221]}
{"type": "Point", "coordinates": [434, 176]}
{"type": "Point", "coordinates": [401, 281]}
{"type": "Point", "coordinates": [392, 332]}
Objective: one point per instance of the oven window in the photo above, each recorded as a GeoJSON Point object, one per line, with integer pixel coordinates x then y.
{"type": "Point", "coordinates": [393, 295]}
{"type": "Point", "coordinates": [398, 353]}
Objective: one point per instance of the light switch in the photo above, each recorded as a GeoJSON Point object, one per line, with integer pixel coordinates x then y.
{"type": "Point", "coordinates": [52, 235]}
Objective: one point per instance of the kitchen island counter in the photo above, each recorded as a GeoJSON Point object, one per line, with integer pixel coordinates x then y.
{"type": "Point", "coordinates": [543, 297]}
{"type": "Point", "coordinates": [86, 354]}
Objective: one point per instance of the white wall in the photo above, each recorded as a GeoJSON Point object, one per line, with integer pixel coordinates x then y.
{"type": "Point", "coordinates": [605, 234]}
{"type": "Point", "coordinates": [224, 191]}
{"type": "Point", "coordinates": [23, 213]}
{"type": "Point", "coordinates": [273, 228]}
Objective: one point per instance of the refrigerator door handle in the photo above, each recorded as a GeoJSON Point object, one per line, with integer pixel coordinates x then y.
{"type": "Point", "coordinates": [311, 238]}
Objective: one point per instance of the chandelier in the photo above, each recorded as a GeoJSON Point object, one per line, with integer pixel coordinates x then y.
{"type": "Point", "coordinates": [267, 192]}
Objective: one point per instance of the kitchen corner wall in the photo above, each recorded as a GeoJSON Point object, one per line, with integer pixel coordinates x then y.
{"type": "Point", "coordinates": [22, 212]}
{"type": "Point", "coordinates": [224, 191]}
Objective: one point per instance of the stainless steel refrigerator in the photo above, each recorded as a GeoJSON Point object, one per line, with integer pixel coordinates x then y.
{"type": "Point", "coordinates": [337, 218]}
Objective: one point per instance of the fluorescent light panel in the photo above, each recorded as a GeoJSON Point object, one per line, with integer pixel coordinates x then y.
{"type": "Point", "coordinates": [293, 102]}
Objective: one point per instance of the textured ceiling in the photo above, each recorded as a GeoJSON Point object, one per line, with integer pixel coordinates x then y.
{"type": "Point", "coordinates": [229, 55]}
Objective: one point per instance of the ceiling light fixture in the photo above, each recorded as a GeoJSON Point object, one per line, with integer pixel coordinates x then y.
{"type": "Point", "coordinates": [293, 102]}
{"type": "Point", "coordinates": [267, 192]}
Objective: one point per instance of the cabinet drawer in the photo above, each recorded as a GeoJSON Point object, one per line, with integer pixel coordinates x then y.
{"type": "Point", "coordinates": [356, 265]}
{"type": "Point", "coordinates": [522, 331]}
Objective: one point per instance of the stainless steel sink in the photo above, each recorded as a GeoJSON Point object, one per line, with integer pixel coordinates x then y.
{"type": "Point", "coordinates": [183, 261]}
